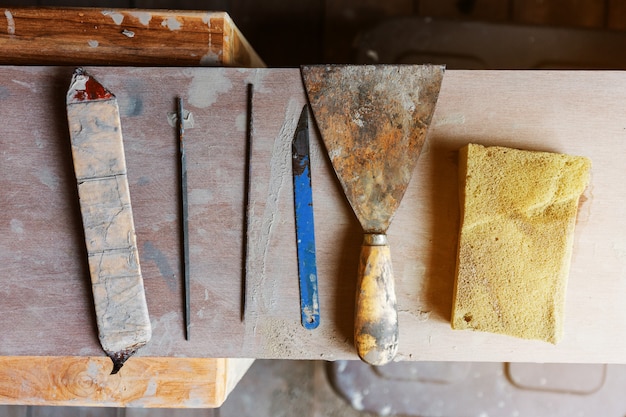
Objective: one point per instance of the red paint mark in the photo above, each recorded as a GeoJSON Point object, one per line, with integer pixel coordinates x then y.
{"type": "Point", "coordinates": [93, 91]}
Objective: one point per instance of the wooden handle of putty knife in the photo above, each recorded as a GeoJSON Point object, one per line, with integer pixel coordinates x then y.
{"type": "Point", "coordinates": [376, 318]}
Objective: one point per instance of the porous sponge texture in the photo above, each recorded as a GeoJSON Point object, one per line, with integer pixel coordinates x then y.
{"type": "Point", "coordinates": [518, 213]}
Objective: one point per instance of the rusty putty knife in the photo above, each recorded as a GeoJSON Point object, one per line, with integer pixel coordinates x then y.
{"type": "Point", "coordinates": [373, 121]}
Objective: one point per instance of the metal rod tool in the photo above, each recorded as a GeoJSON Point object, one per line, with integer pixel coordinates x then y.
{"type": "Point", "coordinates": [184, 208]}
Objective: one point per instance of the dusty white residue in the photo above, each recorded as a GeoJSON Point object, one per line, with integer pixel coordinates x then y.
{"type": "Point", "coordinates": [210, 59]}
{"type": "Point", "coordinates": [422, 316]}
{"type": "Point", "coordinates": [117, 17]}
{"type": "Point", "coordinates": [93, 43]}
{"type": "Point", "coordinates": [407, 99]}
{"type": "Point", "coordinates": [172, 23]}
{"type": "Point", "coordinates": [151, 389]}
{"type": "Point", "coordinates": [128, 33]}
{"type": "Point", "coordinates": [280, 173]}
{"type": "Point", "coordinates": [206, 294]}
{"type": "Point", "coordinates": [17, 226]}
{"type": "Point", "coordinates": [93, 369]}
{"type": "Point", "coordinates": [207, 19]}
{"type": "Point", "coordinates": [241, 122]}
{"type": "Point", "coordinates": [358, 119]}
{"type": "Point", "coordinates": [451, 119]}
{"type": "Point", "coordinates": [79, 82]}
{"type": "Point", "coordinates": [206, 87]}
{"type": "Point", "coordinates": [10, 22]}
{"type": "Point", "coordinates": [48, 178]}
{"type": "Point", "coordinates": [200, 196]}
{"type": "Point", "coordinates": [200, 313]}
{"type": "Point", "coordinates": [188, 122]}
{"type": "Point", "coordinates": [143, 17]}
{"type": "Point", "coordinates": [332, 154]}
{"type": "Point", "coordinates": [31, 86]}
{"type": "Point", "coordinates": [165, 330]}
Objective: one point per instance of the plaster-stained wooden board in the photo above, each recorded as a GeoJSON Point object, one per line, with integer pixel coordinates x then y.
{"type": "Point", "coordinates": [98, 36]}
{"type": "Point", "coordinates": [100, 167]}
{"type": "Point", "coordinates": [45, 280]}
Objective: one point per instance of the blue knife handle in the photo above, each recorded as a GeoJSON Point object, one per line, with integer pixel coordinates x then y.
{"type": "Point", "coordinates": [305, 235]}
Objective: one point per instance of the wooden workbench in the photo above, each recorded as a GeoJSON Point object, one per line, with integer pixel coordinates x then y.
{"type": "Point", "coordinates": [47, 308]}
{"type": "Point", "coordinates": [130, 37]}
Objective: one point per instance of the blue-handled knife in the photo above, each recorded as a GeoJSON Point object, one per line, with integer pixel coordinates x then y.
{"type": "Point", "coordinates": [305, 231]}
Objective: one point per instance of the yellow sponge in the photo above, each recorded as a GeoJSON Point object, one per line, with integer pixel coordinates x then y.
{"type": "Point", "coordinates": [518, 212]}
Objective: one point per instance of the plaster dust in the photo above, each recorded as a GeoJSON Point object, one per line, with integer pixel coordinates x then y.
{"type": "Point", "coordinates": [48, 178]}
{"type": "Point", "coordinates": [206, 87]}
{"type": "Point", "coordinates": [188, 120]}
{"type": "Point", "coordinates": [32, 87]}
{"type": "Point", "coordinates": [117, 17]}
{"type": "Point", "coordinates": [261, 230]}
{"type": "Point", "coordinates": [17, 226]}
{"type": "Point", "coordinates": [172, 23]}
{"type": "Point", "coordinates": [10, 22]}
{"type": "Point", "coordinates": [450, 119]}
{"type": "Point", "coordinates": [166, 334]}
{"type": "Point", "coordinates": [143, 17]}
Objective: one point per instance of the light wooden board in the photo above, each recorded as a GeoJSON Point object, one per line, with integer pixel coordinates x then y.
{"type": "Point", "coordinates": [143, 382]}
{"type": "Point", "coordinates": [45, 286]}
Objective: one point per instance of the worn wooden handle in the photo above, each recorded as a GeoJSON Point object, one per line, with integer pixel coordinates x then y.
{"type": "Point", "coordinates": [376, 319]}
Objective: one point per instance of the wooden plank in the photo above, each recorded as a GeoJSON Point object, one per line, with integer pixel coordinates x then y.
{"type": "Point", "coordinates": [93, 36]}
{"type": "Point", "coordinates": [584, 13]}
{"type": "Point", "coordinates": [143, 382]}
{"type": "Point", "coordinates": [570, 112]}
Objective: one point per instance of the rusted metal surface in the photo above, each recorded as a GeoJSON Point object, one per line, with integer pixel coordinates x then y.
{"type": "Point", "coordinates": [373, 121]}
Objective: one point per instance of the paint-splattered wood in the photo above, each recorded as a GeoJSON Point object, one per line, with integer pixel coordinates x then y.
{"type": "Point", "coordinates": [44, 275]}
{"type": "Point", "coordinates": [143, 382]}
{"type": "Point", "coordinates": [93, 36]}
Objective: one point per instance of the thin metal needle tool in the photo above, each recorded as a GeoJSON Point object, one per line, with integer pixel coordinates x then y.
{"type": "Point", "coordinates": [247, 181]}
{"type": "Point", "coordinates": [184, 212]}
